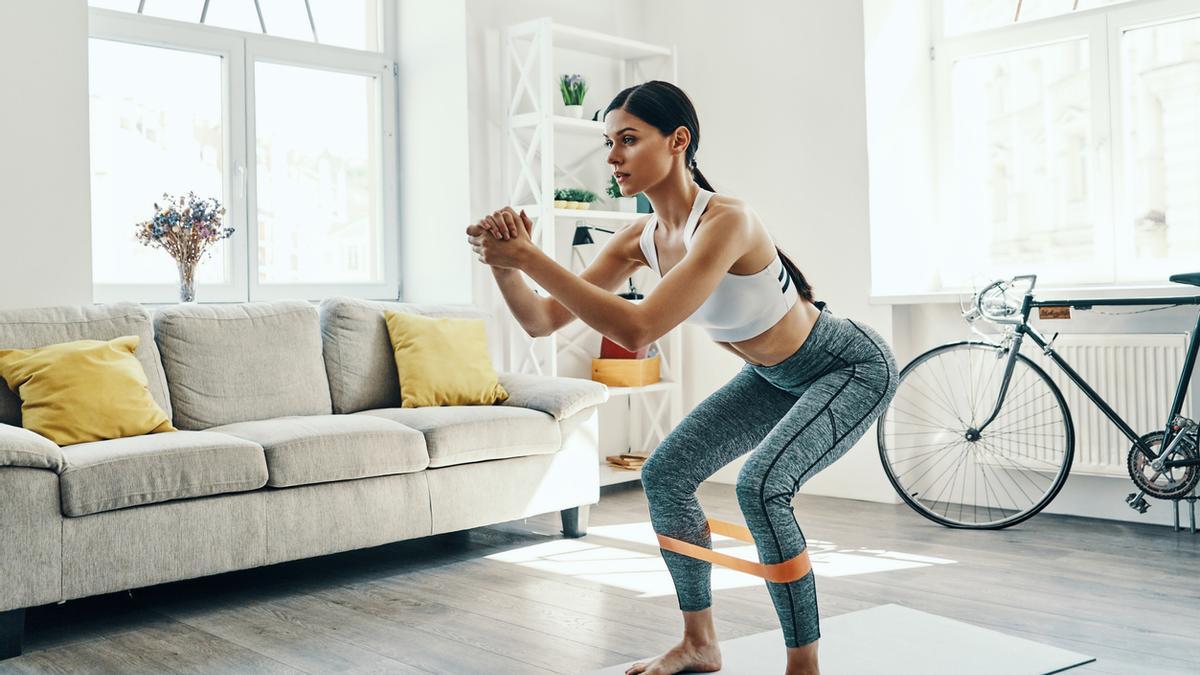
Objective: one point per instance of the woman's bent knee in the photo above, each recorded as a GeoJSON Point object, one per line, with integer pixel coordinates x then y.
{"type": "Point", "coordinates": [657, 474]}
{"type": "Point", "coordinates": [752, 484]}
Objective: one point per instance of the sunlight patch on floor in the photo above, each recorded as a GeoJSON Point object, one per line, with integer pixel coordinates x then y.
{"type": "Point", "coordinates": [601, 557]}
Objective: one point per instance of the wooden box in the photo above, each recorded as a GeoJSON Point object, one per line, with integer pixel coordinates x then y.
{"type": "Point", "coordinates": [626, 372]}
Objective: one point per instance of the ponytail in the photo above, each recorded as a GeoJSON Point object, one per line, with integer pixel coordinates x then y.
{"type": "Point", "coordinates": [700, 179]}
{"type": "Point", "coordinates": [802, 285]}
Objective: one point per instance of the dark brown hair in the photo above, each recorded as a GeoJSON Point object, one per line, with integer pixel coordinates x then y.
{"type": "Point", "coordinates": [665, 107]}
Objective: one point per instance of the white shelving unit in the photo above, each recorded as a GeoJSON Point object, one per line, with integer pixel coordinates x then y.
{"type": "Point", "coordinates": [536, 164]}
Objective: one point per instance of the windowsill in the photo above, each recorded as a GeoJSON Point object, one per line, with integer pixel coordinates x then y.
{"type": "Point", "coordinates": [1043, 293]}
{"type": "Point", "coordinates": [241, 302]}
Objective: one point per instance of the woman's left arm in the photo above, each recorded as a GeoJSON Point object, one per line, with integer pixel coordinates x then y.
{"type": "Point", "coordinates": [724, 238]}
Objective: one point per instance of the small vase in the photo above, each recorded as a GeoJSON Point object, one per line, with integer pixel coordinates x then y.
{"type": "Point", "coordinates": [187, 282]}
{"type": "Point", "coordinates": [575, 111]}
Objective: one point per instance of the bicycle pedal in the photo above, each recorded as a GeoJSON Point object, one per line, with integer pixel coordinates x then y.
{"type": "Point", "coordinates": [1137, 503]}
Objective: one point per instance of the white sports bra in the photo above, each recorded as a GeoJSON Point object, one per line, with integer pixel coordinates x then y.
{"type": "Point", "coordinates": [743, 305]}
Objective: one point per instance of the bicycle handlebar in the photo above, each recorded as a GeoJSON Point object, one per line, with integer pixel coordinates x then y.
{"type": "Point", "coordinates": [999, 309]}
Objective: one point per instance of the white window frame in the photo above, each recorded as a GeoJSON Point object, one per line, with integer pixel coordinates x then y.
{"type": "Point", "coordinates": [1102, 27]}
{"type": "Point", "coordinates": [239, 52]}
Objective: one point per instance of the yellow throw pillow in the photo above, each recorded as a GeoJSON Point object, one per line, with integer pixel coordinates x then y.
{"type": "Point", "coordinates": [87, 390]}
{"type": "Point", "coordinates": [442, 361]}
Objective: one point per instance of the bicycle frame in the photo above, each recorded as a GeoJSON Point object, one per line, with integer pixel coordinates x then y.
{"type": "Point", "coordinates": [1023, 328]}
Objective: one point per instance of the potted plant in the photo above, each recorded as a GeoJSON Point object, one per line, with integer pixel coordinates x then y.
{"type": "Point", "coordinates": [574, 88]}
{"type": "Point", "coordinates": [186, 227]}
{"type": "Point", "coordinates": [584, 199]}
{"type": "Point", "coordinates": [562, 197]}
{"type": "Point", "coordinates": [572, 198]}
{"type": "Point", "coordinates": [624, 204]}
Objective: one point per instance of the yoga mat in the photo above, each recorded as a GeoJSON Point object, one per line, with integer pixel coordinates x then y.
{"type": "Point", "coordinates": [899, 641]}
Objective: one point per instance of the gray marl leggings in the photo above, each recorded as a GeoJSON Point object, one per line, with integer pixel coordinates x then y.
{"type": "Point", "coordinates": [795, 418]}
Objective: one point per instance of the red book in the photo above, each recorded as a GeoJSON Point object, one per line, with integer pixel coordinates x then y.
{"type": "Point", "coordinates": [612, 350]}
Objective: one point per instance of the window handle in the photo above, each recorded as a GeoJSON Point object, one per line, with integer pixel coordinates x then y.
{"type": "Point", "coordinates": [239, 181]}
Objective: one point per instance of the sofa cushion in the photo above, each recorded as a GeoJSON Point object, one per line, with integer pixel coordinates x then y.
{"type": "Point", "coordinates": [324, 448]}
{"type": "Point", "coordinates": [476, 433]}
{"type": "Point", "coordinates": [108, 475]}
{"type": "Point", "coordinates": [247, 361]}
{"type": "Point", "coordinates": [558, 396]}
{"type": "Point", "coordinates": [28, 328]}
{"type": "Point", "coordinates": [22, 447]}
{"type": "Point", "coordinates": [359, 359]}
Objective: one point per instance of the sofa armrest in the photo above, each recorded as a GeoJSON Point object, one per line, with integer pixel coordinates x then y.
{"type": "Point", "coordinates": [22, 447]}
{"type": "Point", "coordinates": [557, 396]}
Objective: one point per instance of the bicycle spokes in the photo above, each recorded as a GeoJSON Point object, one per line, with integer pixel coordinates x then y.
{"type": "Point", "coordinates": [952, 468]}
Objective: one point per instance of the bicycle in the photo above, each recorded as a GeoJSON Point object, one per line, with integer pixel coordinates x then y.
{"type": "Point", "coordinates": [1015, 438]}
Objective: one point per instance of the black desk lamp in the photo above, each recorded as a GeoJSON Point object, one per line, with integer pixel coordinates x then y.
{"type": "Point", "coordinates": [583, 234]}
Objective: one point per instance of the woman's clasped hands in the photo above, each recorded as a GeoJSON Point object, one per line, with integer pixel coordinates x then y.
{"type": "Point", "coordinates": [502, 239]}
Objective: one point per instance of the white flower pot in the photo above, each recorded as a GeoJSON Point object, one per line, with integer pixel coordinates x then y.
{"type": "Point", "coordinates": [627, 204]}
{"type": "Point", "coordinates": [575, 111]}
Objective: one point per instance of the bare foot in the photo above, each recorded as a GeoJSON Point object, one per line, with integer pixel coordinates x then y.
{"type": "Point", "coordinates": [685, 656]}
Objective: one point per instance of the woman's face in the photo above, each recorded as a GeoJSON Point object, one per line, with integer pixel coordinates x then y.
{"type": "Point", "coordinates": [639, 154]}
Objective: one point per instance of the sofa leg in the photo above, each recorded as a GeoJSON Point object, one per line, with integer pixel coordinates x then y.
{"type": "Point", "coordinates": [575, 521]}
{"type": "Point", "coordinates": [12, 632]}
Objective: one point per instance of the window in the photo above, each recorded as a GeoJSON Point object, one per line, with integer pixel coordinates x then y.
{"type": "Point", "coordinates": [324, 185]}
{"type": "Point", "coordinates": [354, 24]}
{"type": "Point", "coordinates": [965, 16]}
{"type": "Point", "coordinates": [1160, 165]}
{"type": "Point", "coordinates": [1021, 124]}
{"type": "Point", "coordinates": [1068, 140]}
{"type": "Point", "coordinates": [295, 138]}
{"type": "Point", "coordinates": [155, 119]}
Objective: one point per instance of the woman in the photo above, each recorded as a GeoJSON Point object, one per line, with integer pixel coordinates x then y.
{"type": "Point", "coordinates": [812, 383]}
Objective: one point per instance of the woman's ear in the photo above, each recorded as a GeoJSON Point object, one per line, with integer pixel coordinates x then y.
{"type": "Point", "coordinates": [681, 139]}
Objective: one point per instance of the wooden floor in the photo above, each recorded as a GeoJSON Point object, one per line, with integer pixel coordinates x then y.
{"type": "Point", "coordinates": [1126, 594]}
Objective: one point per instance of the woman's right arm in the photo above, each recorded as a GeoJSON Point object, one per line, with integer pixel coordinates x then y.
{"type": "Point", "coordinates": [541, 316]}
{"type": "Point", "coordinates": [527, 307]}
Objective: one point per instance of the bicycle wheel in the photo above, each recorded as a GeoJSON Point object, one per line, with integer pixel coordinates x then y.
{"type": "Point", "coordinates": [948, 470]}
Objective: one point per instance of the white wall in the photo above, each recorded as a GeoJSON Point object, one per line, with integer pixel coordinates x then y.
{"type": "Point", "coordinates": [899, 80]}
{"type": "Point", "coordinates": [434, 151]}
{"type": "Point", "coordinates": [780, 93]}
{"type": "Point", "coordinates": [45, 195]}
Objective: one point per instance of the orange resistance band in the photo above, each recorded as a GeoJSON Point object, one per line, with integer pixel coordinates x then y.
{"type": "Point", "coordinates": [781, 573]}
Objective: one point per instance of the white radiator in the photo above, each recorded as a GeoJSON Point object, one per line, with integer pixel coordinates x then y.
{"type": "Point", "coordinates": [1135, 373]}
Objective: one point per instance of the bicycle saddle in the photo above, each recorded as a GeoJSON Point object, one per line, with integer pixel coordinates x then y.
{"type": "Point", "coordinates": [1192, 278]}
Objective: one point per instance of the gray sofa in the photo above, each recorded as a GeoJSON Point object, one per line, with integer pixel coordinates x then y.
{"type": "Point", "coordinates": [292, 444]}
